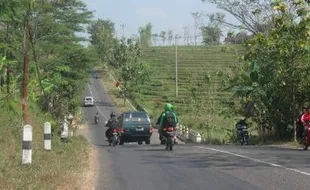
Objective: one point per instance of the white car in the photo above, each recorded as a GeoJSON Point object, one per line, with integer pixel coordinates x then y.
{"type": "Point", "coordinates": [88, 101]}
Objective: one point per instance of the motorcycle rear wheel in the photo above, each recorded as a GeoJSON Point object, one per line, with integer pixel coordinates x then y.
{"type": "Point", "coordinates": [305, 144]}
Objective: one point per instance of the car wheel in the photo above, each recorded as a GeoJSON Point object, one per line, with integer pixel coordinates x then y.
{"type": "Point", "coordinates": [140, 142]}
{"type": "Point", "coordinates": [148, 141]}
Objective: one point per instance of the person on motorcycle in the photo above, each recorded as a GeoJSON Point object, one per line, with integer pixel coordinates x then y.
{"type": "Point", "coordinates": [97, 116]}
{"type": "Point", "coordinates": [241, 122]}
{"type": "Point", "coordinates": [164, 119]}
{"type": "Point", "coordinates": [299, 125]}
{"type": "Point", "coordinates": [112, 124]}
{"type": "Point", "coordinates": [305, 119]}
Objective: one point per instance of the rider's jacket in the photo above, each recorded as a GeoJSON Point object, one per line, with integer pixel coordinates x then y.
{"type": "Point", "coordinates": [305, 118]}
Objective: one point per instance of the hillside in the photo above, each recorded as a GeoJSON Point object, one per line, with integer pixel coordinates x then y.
{"type": "Point", "coordinates": [201, 72]}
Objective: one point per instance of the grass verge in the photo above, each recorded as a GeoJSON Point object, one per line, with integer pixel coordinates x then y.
{"type": "Point", "coordinates": [109, 84]}
{"type": "Point", "coordinates": [66, 166]}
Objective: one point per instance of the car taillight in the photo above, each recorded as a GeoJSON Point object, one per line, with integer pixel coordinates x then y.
{"type": "Point", "coordinates": [170, 129]}
{"type": "Point", "coordinates": [121, 130]}
{"type": "Point", "coordinates": [151, 129]}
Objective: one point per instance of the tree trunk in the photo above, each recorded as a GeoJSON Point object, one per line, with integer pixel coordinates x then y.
{"type": "Point", "coordinates": [25, 76]}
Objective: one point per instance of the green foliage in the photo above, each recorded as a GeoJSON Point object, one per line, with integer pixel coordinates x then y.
{"type": "Point", "coordinates": [212, 32]}
{"type": "Point", "coordinates": [274, 72]}
{"type": "Point", "coordinates": [59, 66]}
{"type": "Point", "coordinates": [146, 35]}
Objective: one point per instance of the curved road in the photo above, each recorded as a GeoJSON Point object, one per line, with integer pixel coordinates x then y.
{"type": "Point", "coordinates": [190, 166]}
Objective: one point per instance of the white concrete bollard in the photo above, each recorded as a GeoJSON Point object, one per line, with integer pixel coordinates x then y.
{"type": "Point", "coordinates": [65, 130]}
{"type": "Point", "coordinates": [47, 136]}
{"type": "Point", "coordinates": [186, 132]}
{"type": "Point", "coordinates": [27, 149]}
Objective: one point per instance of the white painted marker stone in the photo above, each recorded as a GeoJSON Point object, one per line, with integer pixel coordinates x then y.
{"type": "Point", "coordinates": [65, 130]}
{"type": "Point", "coordinates": [27, 149]}
{"type": "Point", "coordinates": [47, 136]}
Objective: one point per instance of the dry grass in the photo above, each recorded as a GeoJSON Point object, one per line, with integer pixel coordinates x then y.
{"type": "Point", "coordinates": [67, 166]}
{"type": "Point", "coordinates": [109, 84]}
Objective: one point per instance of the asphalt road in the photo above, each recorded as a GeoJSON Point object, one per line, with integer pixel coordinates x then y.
{"type": "Point", "coordinates": [190, 166]}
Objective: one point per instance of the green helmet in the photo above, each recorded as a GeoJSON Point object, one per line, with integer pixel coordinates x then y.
{"type": "Point", "coordinates": [168, 107]}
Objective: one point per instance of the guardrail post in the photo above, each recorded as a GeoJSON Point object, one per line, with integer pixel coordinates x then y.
{"type": "Point", "coordinates": [65, 131]}
{"type": "Point", "coordinates": [47, 136]}
{"type": "Point", "coordinates": [186, 132]}
{"type": "Point", "coordinates": [26, 145]}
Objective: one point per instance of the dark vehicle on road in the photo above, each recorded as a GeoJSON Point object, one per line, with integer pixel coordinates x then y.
{"type": "Point", "coordinates": [136, 127]}
{"type": "Point", "coordinates": [243, 134]}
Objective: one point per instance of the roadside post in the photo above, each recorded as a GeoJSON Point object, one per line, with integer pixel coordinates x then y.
{"type": "Point", "coordinates": [65, 131]}
{"type": "Point", "coordinates": [47, 136]}
{"type": "Point", "coordinates": [26, 144]}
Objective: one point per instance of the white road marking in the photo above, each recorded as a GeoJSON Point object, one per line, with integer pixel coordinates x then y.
{"type": "Point", "coordinates": [96, 106]}
{"type": "Point", "coordinates": [254, 159]}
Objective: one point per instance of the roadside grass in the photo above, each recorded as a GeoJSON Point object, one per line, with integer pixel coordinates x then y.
{"type": "Point", "coordinates": [114, 93]}
{"type": "Point", "coordinates": [195, 65]}
{"type": "Point", "coordinates": [66, 166]}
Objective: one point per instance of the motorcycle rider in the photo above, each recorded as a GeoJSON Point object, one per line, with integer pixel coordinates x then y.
{"type": "Point", "coordinates": [164, 118]}
{"type": "Point", "coordinates": [299, 125]}
{"type": "Point", "coordinates": [241, 122]}
{"type": "Point", "coordinates": [305, 119]}
{"type": "Point", "coordinates": [97, 116]}
{"type": "Point", "coordinates": [112, 124]}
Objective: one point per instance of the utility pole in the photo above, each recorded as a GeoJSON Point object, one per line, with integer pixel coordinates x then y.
{"type": "Point", "coordinates": [176, 66]}
{"type": "Point", "coordinates": [123, 27]}
{"type": "Point", "coordinates": [26, 63]}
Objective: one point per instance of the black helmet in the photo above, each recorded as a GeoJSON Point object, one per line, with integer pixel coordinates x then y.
{"type": "Point", "coordinates": [112, 114]}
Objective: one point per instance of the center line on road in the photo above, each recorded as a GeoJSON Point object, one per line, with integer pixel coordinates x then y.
{"type": "Point", "coordinates": [255, 160]}
{"type": "Point", "coordinates": [96, 106]}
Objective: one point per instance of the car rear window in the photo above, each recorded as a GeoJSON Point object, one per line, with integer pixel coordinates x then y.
{"type": "Point", "coordinates": [88, 98]}
{"type": "Point", "coordinates": [136, 117]}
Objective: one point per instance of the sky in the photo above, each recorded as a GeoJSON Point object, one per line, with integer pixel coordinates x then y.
{"type": "Point", "coordinates": [162, 14]}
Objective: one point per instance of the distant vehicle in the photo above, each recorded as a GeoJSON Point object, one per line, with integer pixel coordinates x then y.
{"type": "Point", "coordinates": [88, 101]}
{"type": "Point", "coordinates": [136, 127]}
{"type": "Point", "coordinates": [96, 75]}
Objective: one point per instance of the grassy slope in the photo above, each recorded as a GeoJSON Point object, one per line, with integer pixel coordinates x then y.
{"type": "Point", "coordinates": [193, 64]}
{"type": "Point", "coordinates": [62, 168]}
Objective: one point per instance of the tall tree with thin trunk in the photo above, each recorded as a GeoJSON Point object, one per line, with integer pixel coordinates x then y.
{"type": "Point", "coordinates": [170, 36]}
{"type": "Point", "coordinates": [163, 36]}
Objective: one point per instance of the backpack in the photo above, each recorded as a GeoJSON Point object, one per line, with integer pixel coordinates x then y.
{"type": "Point", "coordinates": [170, 119]}
{"type": "Point", "coordinates": [113, 123]}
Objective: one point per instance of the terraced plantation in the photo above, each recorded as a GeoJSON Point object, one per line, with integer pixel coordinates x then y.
{"type": "Point", "coordinates": [200, 75]}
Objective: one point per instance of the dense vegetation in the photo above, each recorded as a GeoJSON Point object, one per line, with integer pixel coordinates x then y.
{"type": "Point", "coordinates": [43, 32]}
{"type": "Point", "coordinates": [267, 83]}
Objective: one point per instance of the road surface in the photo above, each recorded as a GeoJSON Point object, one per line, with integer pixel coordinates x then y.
{"type": "Point", "coordinates": [190, 166]}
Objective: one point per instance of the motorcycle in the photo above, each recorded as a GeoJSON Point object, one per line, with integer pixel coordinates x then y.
{"type": "Point", "coordinates": [96, 120]}
{"type": "Point", "coordinates": [168, 135]}
{"type": "Point", "coordinates": [243, 135]}
{"type": "Point", "coordinates": [114, 137]}
{"type": "Point", "coordinates": [306, 140]}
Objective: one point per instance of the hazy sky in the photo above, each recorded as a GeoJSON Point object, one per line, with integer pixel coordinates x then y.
{"type": "Point", "coordinates": [163, 14]}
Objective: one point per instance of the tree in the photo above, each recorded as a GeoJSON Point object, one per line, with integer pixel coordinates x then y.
{"type": "Point", "coordinates": [102, 36]}
{"type": "Point", "coordinates": [170, 36]}
{"type": "Point", "coordinates": [212, 32]}
{"type": "Point", "coordinates": [155, 38]}
{"type": "Point", "coordinates": [254, 16]}
{"type": "Point", "coordinates": [54, 76]}
{"type": "Point", "coordinates": [197, 17]}
{"type": "Point", "coordinates": [163, 36]}
{"type": "Point", "coordinates": [274, 74]}
{"type": "Point", "coordinates": [146, 35]}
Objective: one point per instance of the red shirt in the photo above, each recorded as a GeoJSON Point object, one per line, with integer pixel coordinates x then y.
{"type": "Point", "coordinates": [305, 118]}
